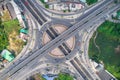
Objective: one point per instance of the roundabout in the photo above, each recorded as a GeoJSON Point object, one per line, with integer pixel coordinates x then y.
{"type": "Point", "coordinates": [60, 51]}
{"type": "Point", "coordinates": [60, 44]}
{"type": "Point", "coordinates": [64, 51]}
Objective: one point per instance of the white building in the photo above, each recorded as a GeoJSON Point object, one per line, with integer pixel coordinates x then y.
{"type": "Point", "coordinates": [45, 0]}
{"type": "Point", "coordinates": [84, 1]}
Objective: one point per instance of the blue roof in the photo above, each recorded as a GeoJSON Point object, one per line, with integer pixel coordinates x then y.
{"type": "Point", "coordinates": [23, 30]}
{"type": "Point", "coordinates": [83, 1]}
{"type": "Point", "coordinates": [49, 77]}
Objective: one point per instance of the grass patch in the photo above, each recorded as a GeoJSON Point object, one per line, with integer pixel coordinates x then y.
{"type": "Point", "coordinates": [3, 37]}
{"type": "Point", "coordinates": [42, 1]}
{"type": "Point", "coordinates": [89, 2]}
{"type": "Point", "coordinates": [12, 25]}
{"type": "Point", "coordinates": [38, 77]}
{"type": "Point", "coordinates": [64, 76]}
{"type": "Point", "coordinates": [46, 5]}
{"type": "Point", "coordinates": [9, 38]}
{"type": "Point", "coordinates": [6, 15]}
{"type": "Point", "coordinates": [108, 39]}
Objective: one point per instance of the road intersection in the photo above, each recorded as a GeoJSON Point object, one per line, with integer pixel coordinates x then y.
{"type": "Point", "coordinates": [86, 20]}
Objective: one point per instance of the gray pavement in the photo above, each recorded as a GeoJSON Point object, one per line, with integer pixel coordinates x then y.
{"type": "Point", "coordinates": [73, 30]}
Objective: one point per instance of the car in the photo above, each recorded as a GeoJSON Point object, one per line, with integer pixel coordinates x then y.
{"type": "Point", "coordinates": [26, 3]}
{"type": "Point", "coordinates": [112, 79]}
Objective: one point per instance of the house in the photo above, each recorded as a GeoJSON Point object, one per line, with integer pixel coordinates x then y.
{"type": "Point", "coordinates": [84, 1]}
{"type": "Point", "coordinates": [23, 34]}
{"type": "Point", "coordinates": [7, 55]}
{"type": "Point", "coordinates": [48, 77]}
{"type": "Point", "coordinates": [24, 30]}
{"type": "Point", "coordinates": [11, 10]}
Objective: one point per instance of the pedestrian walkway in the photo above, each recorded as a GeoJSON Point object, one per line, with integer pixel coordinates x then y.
{"type": "Point", "coordinates": [18, 13]}
{"type": "Point", "coordinates": [114, 21]}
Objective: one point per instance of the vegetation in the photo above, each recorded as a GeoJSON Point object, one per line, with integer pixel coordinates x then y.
{"type": "Point", "coordinates": [12, 28]}
{"type": "Point", "coordinates": [64, 11]}
{"type": "Point", "coordinates": [61, 76]}
{"type": "Point", "coordinates": [37, 77]}
{"type": "Point", "coordinates": [11, 25]}
{"type": "Point", "coordinates": [3, 37]}
{"type": "Point", "coordinates": [108, 40]}
{"type": "Point", "coordinates": [89, 2]}
{"type": "Point", "coordinates": [117, 16]}
{"type": "Point", "coordinates": [6, 16]}
{"type": "Point", "coordinates": [40, 77]}
{"type": "Point", "coordinates": [3, 34]}
{"type": "Point", "coordinates": [116, 1]}
{"type": "Point", "coordinates": [42, 1]}
{"type": "Point", "coordinates": [46, 5]}
{"type": "Point", "coordinates": [9, 31]}
{"type": "Point", "coordinates": [64, 76]}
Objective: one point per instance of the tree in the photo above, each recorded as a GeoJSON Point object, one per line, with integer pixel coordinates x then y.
{"type": "Point", "coordinates": [3, 37]}
{"type": "Point", "coordinates": [64, 76]}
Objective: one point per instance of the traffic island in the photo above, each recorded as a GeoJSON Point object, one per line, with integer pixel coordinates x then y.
{"type": "Point", "coordinates": [65, 51]}
{"type": "Point", "coordinates": [70, 43]}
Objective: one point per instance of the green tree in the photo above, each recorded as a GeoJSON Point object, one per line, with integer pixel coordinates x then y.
{"type": "Point", "coordinates": [89, 2]}
{"type": "Point", "coordinates": [3, 37]}
{"type": "Point", "coordinates": [64, 76]}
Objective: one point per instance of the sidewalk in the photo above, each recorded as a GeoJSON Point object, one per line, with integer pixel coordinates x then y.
{"type": "Point", "coordinates": [18, 13]}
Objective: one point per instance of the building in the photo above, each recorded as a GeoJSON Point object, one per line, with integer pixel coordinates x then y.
{"type": "Point", "coordinates": [49, 77]}
{"type": "Point", "coordinates": [1, 9]}
{"type": "Point", "coordinates": [45, 0]}
{"type": "Point", "coordinates": [11, 10]}
{"type": "Point", "coordinates": [84, 1]}
{"type": "Point", "coordinates": [23, 30]}
{"type": "Point", "coordinates": [7, 55]}
{"type": "Point", "coordinates": [23, 34]}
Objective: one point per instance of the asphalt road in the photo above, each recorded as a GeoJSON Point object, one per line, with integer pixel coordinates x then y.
{"type": "Point", "coordinates": [53, 34]}
{"type": "Point", "coordinates": [34, 11]}
{"type": "Point", "coordinates": [56, 42]}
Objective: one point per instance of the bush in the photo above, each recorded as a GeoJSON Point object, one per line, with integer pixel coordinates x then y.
{"type": "Point", "coordinates": [64, 76]}
{"type": "Point", "coordinates": [89, 2]}
{"type": "Point", "coordinates": [3, 37]}
{"type": "Point", "coordinates": [108, 39]}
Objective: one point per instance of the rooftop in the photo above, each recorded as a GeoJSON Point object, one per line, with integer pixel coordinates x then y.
{"type": "Point", "coordinates": [7, 55]}
{"type": "Point", "coordinates": [23, 30]}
